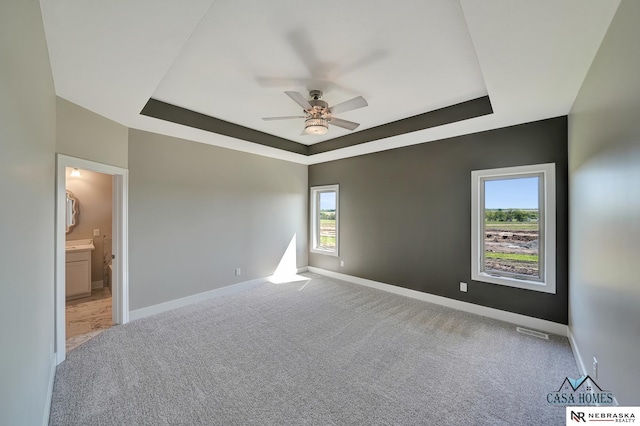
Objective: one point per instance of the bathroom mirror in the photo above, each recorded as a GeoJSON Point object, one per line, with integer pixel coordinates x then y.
{"type": "Point", "coordinates": [73, 210]}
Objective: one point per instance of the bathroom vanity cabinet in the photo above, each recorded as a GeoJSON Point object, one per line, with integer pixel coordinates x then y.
{"type": "Point", "coordinates": [78, 268]}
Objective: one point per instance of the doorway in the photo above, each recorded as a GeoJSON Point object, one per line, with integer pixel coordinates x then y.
{"type": "Point", "coordinates": [88, 255]}
{"type": "Point", "coordinates": [119, 243]}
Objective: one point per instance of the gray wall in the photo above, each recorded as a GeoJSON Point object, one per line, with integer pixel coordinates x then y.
{"type": "Point", "coordinates": [27, 143]}
{"type": "Point", "coordinates": [405, 214]}
{"type": "Point", "coordinates": [84, 134]}
{"type": "Point", "coordinates": [196, 212]}
{"type": "Point", "coordinates": [94, 193]}
{"type": "Point", "coordinates": [604, 159]}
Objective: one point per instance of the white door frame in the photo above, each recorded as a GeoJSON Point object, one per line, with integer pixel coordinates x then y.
{"type": "Point", "coordinates": [120, 241]}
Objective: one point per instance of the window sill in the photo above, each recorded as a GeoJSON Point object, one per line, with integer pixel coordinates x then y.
{"type": "Point", "coordinates": [516, 283]}
{"type": "Point", "coordinates": [325, 252]}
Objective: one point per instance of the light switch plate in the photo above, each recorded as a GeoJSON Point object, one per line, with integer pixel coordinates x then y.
{"type": "Point", "coordinates": [463, 287]}
{"type": "Point", "coordinates": [96, 232]}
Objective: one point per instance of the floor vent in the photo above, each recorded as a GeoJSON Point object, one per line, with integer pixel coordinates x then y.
{"type": "Point", "coordinates": [533, 333]}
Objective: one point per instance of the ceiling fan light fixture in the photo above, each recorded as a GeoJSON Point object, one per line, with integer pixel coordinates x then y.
{"type": "Point", "coordinates": [316, 126]}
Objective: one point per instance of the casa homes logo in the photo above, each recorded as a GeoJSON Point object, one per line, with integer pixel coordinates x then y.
{"type": "Point", "coordinates": [581, 391]}
{"type": "Point", "coordinates": [581, 415]}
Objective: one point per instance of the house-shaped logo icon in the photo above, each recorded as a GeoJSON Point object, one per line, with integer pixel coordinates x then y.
{"type": "Point", "coordinates": [581, 391]}
{"type": "Point", "coordinates": [575, 384]}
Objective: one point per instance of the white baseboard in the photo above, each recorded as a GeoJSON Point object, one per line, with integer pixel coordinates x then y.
{"type": "Point", "coordinates": [582, 369]}
{"type": "Point", "coordinates": [222, 291]}
{"type": "Point", "coordinates": [518, 319]}
{"type": "Point", "coordinates": [97, 284]}
{"type": "Point", "coordinates": [576, 353]}
{"type": "Point", "coordinates": [49, 397]}
{"type": "Point", "coordinates": [178, 303]}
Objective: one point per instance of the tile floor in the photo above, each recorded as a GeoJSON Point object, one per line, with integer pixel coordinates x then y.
{"type": "Point", "coordinates": [88, 317]}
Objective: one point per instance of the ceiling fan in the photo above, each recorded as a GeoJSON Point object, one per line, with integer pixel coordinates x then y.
{"type": "Point", "coordinates": [318, 114]}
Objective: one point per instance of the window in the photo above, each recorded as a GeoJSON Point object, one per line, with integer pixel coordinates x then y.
{"type": "Point", "coordinates": [324, 219]}
{"type": "Point", "coordinates": [513, 227]}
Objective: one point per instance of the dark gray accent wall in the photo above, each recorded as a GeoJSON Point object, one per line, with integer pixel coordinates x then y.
{"type": "Point", "coordinates": [405, 214]}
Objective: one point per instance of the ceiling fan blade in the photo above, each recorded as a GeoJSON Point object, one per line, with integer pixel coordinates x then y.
{"type": "Point", "coordinates": [289, 117]}
{"type": "Point", "coordinates": [363, 62]}
{"type": "Point", "coordinates": [300, 100]}
{"type": "Point", "coordinates": [304, 46]}
{"type": "Point", "coordinates": [345, 124]}
{"type": "Point", "coordinates": [349, 105]}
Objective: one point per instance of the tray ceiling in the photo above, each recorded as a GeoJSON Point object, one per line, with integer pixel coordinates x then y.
{"type": "Point", "coordinates": [233, 60]}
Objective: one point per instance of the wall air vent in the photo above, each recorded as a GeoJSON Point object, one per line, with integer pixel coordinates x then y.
{"type": "Point", "coordinates": [533, 333]}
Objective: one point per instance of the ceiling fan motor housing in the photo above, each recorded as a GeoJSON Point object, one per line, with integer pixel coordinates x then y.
{"type": "Point", "coordinates": [315, 100]}
{"type": "Point", "coordinates": [320, 104]}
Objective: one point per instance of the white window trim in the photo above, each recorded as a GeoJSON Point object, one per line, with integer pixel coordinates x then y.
{"type": "Point", "coordinates": [315, 217]}
{"type": "Point", "coordinates": [547, 284]}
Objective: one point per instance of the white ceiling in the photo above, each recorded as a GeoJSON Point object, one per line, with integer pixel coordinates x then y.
{"type": "Point", "coordinates": [233, 59]}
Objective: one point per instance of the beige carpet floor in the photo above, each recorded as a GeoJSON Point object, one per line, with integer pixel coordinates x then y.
{"type": "Point", "coordinates": [316, 352]}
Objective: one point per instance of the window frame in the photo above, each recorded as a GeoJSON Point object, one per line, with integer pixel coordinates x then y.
{"type": "Point", "coordinates": [314, 196]}
{"type": "Point", "coordinates": [547, 225]}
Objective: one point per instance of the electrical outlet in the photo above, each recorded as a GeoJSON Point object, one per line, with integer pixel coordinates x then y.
{"type": "Point", "coordinates": [238, 272]}
{"type": "Point", "coordinates": [595, 368]}
{"type": "Point", "coordinates": [463, 287]}
{"type": "Point", "coordinates": [96, 232]}
{"type": "Point", "coordinates": [342, 263]}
